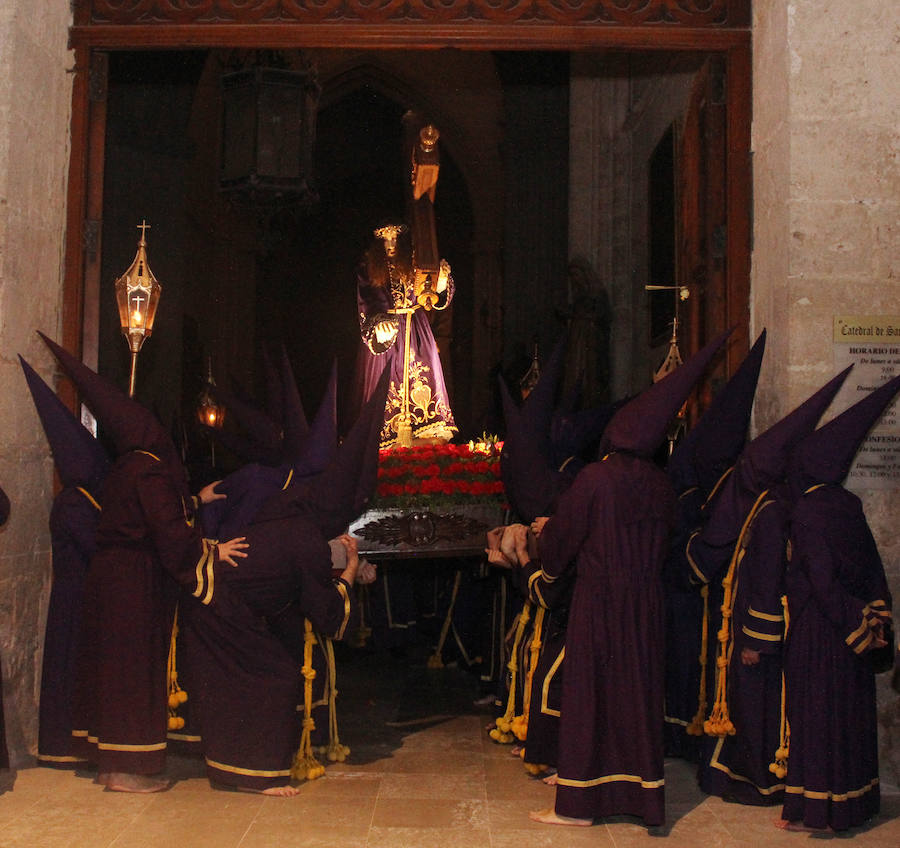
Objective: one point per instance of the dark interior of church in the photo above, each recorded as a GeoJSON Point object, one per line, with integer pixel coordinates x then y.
{"type": "Point", "coordinates": [242, 271]}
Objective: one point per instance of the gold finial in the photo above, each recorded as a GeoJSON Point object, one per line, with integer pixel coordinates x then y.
{"type": "Point", "coordinates": [143, 227]}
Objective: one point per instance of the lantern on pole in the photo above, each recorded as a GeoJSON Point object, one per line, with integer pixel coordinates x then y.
{"type": "Point", "coordinates": [137, 296]}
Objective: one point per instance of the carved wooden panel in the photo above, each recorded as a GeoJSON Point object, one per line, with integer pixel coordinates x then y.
{"type": "Point", "coordinates": [632, 13]}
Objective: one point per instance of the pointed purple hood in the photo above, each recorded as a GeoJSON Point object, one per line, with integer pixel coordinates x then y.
{"type": "Point", "coordinates": [80, 459]}
{"type": "Point", "coordinates": [826, 455]}
{"type": "Point", "coordinates": [259, 439]}
{"type": "Point", "coordinates": [763, 463]}
{"type": "Point", "coordinates": [640, 426]}
{"type": "Point", "coordinates": [294, 425]}
{"type": "Point", "coordinates": [714, 443]}
{"type": "Point", "coordinates": [337, 496]}
{"type": "Point", "coordinates": [129, 425]}
{"type": "Point", "coordinates": [530, 484]}
{"type": "Point", "coordinates": [318, 447]}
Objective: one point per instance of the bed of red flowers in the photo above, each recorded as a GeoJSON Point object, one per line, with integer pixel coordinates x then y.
{"type": "Point", "coordinates": [439, 475]}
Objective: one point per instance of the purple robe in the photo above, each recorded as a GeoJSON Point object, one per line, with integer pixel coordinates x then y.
{"type": "Point", "coordinates": [684, 623]}
{"type": "Point", "coordinates": [614, 523]}
{"type": "Point", "coordinates": [737, 766]}
{"type": "Point", "coordinates": [837, 595]}
{"type": "Point", "coordinates": [73, 526]}
{"type": "Point", "coordinates": [246, 667]}
{"type": "Point", "coordinates": [542, 741]}
{"type": "Point", "coordinates": [429, 402]}
{"type": "Point", "coordinates": [146, 547]}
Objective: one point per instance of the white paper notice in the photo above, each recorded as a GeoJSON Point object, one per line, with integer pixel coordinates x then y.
{"type": "Point", "coordinates": [872, 344]}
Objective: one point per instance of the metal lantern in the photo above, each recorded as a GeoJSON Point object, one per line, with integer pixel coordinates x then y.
{"type": "Point", "coordinates": [209, 412]}
{"type": "Point", "coordinates": [137, 296]}
{"type": "Point", "coordinates": [268, 131]}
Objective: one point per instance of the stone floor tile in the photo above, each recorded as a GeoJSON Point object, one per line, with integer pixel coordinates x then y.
{"type": "Point", "coordinates": [466, 786]}
{"type": "Point", "coordinates": [432, 813]}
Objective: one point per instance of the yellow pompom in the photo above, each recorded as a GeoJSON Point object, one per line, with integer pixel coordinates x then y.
{"type": "Point", "coordinates": [181, 695]}
{"type": "Point", "coordinates": [173, 701]}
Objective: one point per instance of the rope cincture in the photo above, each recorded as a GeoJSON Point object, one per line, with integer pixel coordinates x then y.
{"type": "Point", "coordinates": [779, 766]}
{"type": "Point", "coordinates": [502, 733]}
{"type": "Point", "coordinates": [335, 751]}
{"type": "Point", "coordinates": [719, 722]}
{"type": "Point", "coordinates": [177, 695]}
{"type": "Point", "coordinates": [520, 723]}
{"type": "Point", "coordinates": [305, 765]}
{"type": "Point", "coordinates": [695, 728]}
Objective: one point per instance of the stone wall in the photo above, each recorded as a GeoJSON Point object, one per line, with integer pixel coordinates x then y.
{"type": "Point", "coordinates": [827, 206]}
{"type": "Point", "coordinates": [35, 97]}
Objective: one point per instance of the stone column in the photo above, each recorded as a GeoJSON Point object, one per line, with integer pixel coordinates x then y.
{"type": "Point", "coordinates": [35, 93]}
{"type": "Point", "coordinates": [826, 212]}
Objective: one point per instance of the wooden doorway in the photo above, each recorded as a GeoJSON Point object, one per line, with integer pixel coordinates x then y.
{"type": "Point", "coordinates": [719, 27]}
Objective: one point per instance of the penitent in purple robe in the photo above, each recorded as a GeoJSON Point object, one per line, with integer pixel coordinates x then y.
{"type": "Point", "coordinates": [246, 669]}
{"type": "Point", "coordinates": [614, 523]}
{"type": "Point", "coordinates": [737, 765]}
{"type": "Point", "coordinates": [429, 402]}
{"type": "Point", "coordinates": [73, 526]}
{"type": "Point", "coordinates": [837, 594]}
{"type": "Point", "coordinates": [145, 549]}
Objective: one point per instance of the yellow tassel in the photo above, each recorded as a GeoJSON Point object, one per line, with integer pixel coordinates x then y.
{"type": "Point", "coordinates": [335, 751]}
{"type": "Point", "coordinates": [779, 766]}
{"type": "Point", "coordinates": [305, 765]}
{"type": "Point", "coordinates": [534, 769]}
{"type": "Point", "coordinates": [505, 722]}
{"type": "Point", "coordinates": [177, 696]}
{"type": "Point", "coordinates": [520, 723]}
{"type": "Point", "coordinates": [695, 728]}
{"type": "Point", "coordinates": [719, 723]}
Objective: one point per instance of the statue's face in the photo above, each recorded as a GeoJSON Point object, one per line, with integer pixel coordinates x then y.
{"type": "Point", "coordinates": [390, 245]}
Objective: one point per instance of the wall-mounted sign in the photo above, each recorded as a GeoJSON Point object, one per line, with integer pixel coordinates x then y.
{"type": "Point", "coordinates": [871, 343]}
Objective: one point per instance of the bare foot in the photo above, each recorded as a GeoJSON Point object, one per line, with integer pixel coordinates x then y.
{"type": "Point", "coordinates": [515, 751]}
{"type": "Point", "coordinates": [550, 779]}
{"type": "Point", "coordinates": [286, 791]}
{"type": "Point", "coordinates": [549, 816]}
{"type": "Point", "coordinates": [799, 827]}
{"type": "Point", "coordinates": [120, 781]}
{"type": "Point", "coordinates": [282, 791]}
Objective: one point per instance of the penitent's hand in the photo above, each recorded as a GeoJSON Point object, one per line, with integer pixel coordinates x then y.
{"type": "Point", "coordinates": [538, 525]}
{"type": "Point", "coordinates": [520, 539]}
{"type": "Point", "coordinates": [233, 548]}
{"type": "Point", "coordinates": [367, 572]}
{"type": "Point", "coordinates": [208, 493]}
{"type": "Point", "coordinates": [749, 656]}
{"type": "Point", "coordinates": [350, 571]}
{"type": "Point", "coordinates": [495, 557]}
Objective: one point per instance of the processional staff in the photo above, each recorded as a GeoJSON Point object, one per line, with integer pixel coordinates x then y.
{"type": "Point", "coordinates": [137, 295]}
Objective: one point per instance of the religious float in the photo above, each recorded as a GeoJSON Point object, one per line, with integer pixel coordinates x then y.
{"type": "Point", "coordinates": [433, 500]}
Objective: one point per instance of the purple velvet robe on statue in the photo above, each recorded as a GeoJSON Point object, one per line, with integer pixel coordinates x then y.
{"type": "Point", "coordinates": [614, 523]}
{"type": "Point", "coordinates": [429, 402]}
{"type": "Point", "coordinates": [837, 592]}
